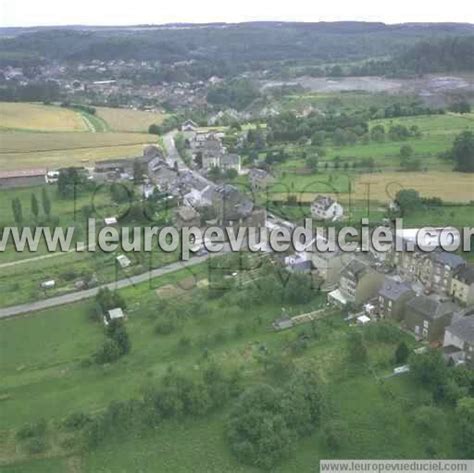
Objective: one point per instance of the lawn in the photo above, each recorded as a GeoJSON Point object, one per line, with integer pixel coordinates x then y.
{"type": "Point", "coordinates": [38, 117]}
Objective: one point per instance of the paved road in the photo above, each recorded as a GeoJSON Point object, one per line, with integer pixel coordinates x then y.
{"type": "Point", "coordinates": [89, 293]}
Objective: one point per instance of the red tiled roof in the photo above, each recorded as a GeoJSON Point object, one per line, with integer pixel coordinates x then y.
{"type": "Point", "coordinates": [22, 173]}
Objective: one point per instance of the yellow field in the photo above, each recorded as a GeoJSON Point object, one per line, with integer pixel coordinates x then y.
{"type": "Point", "coordinates": [122, 119]}
{"type": "Point", "coordinates": [20, 150]}
{"type": "Point", "coordinates": [31, 116]}
{"type": "Point", "coordinates": [382, 187]}
{"type": "Point", "coordinates": [448, 186]}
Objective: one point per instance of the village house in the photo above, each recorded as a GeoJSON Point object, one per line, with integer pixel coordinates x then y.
{"type": "Point", "coordinates": [462, 285]}
{"type": "Point", "coordinates": [458, 343]}
{"type": "Point", "coordinates": [187, 217]}
{"type": "Point", "coordinates": [189, 125]}
{"type": "Point", "coordinates": [198, 199]}
{"type": "Point", "coordinates": [112, 170]}
{"type": "Point", "coordinates": [233, 208]}
{"type": "Point", "coordinates": [392, 298]}
{"type": "Point", "coordinates": [437, 269]}
{"type": "Point", "coordinates": [428, 316]}
{"type": "Point", "coordinates": [22, 178]}
{"type": "Point", "coordinates": [230, 161]}
{"type": "Point", "coordinates": [260, 179]}
{"type": "Point", "coordinates": [358, 284]}
{"type": "Point", "coordinates": [298, 263]}
{"type": "Point", "coordinates": [326, 208]}
{"type": "Point", "coordinates": [328, 265]}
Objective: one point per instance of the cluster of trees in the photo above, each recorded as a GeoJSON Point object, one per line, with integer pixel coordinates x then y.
{"type": "Point", "coordinates": [46, 92]}
{"type": "Point", "coordinates": [452, 386]}
{"type": "Point", "coordinates": [462, 152]}
{"type": "Point", "coordinates": [32, 437]}
{"type": "Point", "coordinates": [80, 107]}
{"type": "Point", "coordinates": [266, 421]}
{"type": "Point", "coordinates": [116, 344]}
{"type": "Point", "coordinates": [17, 208]}
{"type": "Point", "coordinates": [340, 128]}
{"type": "Point", "coordinates": [175, 396]}
{"type": "Point", "coordinates": [205, 51]}
{"type": "Point", "coordinates": [237, 94]}
{"type": "Point", "coordinates": [275, 286]}
{"type": "Point", "coordinates": [71, 182]}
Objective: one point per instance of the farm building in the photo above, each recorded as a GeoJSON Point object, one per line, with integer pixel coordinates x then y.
{"type": "Point", "coordinates": [23, 178]}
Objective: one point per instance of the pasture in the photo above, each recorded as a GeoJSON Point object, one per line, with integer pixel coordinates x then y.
{"type": "Point", "coordinates": [20, 150]}
{"type": "Point", "coordinates": [38, 117]}
{"type": "Point", "coordinates": [42, 354]}
{"type": "Point", "coordinates": [127, 120]}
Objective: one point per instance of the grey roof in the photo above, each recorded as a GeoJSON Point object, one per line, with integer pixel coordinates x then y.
{"type": "Point", "coordinates": [393, 290]}
{"type": "Point", "coordinates": [231, 159]}
{"type": "Point", "coordinates": [450, 259]}
{"type": "Point", "coordinates": [463, 328]}
{"type": "Point", "coordinates": [357, 267]}
{"type": "Point", "coordinates": [324, 201]}
{"type": "Point", "coordinates": [465, 274]}
{"type": "Point", "coordinates": [431, 307]}
{"type": "Point", "coordinates": [187, 213]}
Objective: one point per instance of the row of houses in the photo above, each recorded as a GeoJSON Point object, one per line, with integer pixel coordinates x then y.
{"type": "Point", "coordinates": [208, 150]}
{"type": "Point", "coordinates": [432, 296]}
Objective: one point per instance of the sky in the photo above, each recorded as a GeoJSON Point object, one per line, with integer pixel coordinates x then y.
{"type": "Point", "coordinates": [121, 12]}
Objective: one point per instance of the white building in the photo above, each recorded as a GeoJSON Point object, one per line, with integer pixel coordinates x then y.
{"type": "Point", "coordinates": [326, 208]}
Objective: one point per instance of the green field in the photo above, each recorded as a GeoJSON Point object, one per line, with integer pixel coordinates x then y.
{"type": "Point", "coordinates": [43, 377]}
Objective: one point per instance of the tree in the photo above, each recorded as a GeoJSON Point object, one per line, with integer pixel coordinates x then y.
{"type": "Point", "coordinates": [34, 206]}
{"type": "Point", "coordinates": [231, 174]}
{"type": "Point", "coordinates": [408, 200]}
{"type": "Point", "coordinates": [462, 106]}
{"type": "Point", "coordinates": [312, 163]}
{"type": "Point", "coordinates": [462, 152]}
{"type": "Point", "coordinates": [465, 417]}
{"type": "Point", "coordinates": [46, 202]}
{"type": "Point", "coordinates": [406, 151]}
{"type": "Point", "coordinates": [356, 348]}
{"type": "Point", "coordinates": [335, 434]}
{"type": "Point", "coordinates": [17, 211]}
{"type": "Point", "coordinates": [377, 133]}
{"type": "Point", "coordinates": [429, 369]}
{"type": "Point", "coordinates": [401, 353]}
{"type": "Point", "coordinates": [257, 430]}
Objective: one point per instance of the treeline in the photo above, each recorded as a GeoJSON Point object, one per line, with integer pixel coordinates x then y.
{"type": "Point", "coordinates": [47, 91]}
{"type": "Point", "coordinates": [176, 395]}
{"type": "Point", "coordinates": [237, 94]}
{"type": "Point", "coordinates": [80, 107]}
{"type": "Point", "coordinates": [211, 50]}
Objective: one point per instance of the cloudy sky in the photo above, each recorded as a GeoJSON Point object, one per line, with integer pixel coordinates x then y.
{"type": "Point", "coordinates": [120, 12]}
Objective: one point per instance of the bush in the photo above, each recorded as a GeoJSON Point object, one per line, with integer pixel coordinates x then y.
{"type": "Point", "coordinates": [76, 421]}
{"type": "Point", "coordinates": [35, 445]}
{"type": "Point", "coordinates": [165, 327]}
{"type": "Point", "coordinates": [35, 429]}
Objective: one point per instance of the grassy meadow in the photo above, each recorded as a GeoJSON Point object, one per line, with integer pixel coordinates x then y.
{"type": "Point", "coordinates": [127, 120]}
{"type": "Point", "coordinates": [38, 117]}
{"type": "Point", "coordinates": [49, 136]}
{"type": "Point", "coordinates": [44, 376]}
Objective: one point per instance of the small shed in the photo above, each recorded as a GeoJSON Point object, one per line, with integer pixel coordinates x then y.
{"type": "Point", "coordinates": [48, 284]}
{"type": "Point", "coordinates": [110, 221]}
{"type": "Point", "coordinates": [123, 261]}
{"type": "Point", "coordinates": [113, 314]}
{"type": "Point", "coordinates": [363, 319]}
